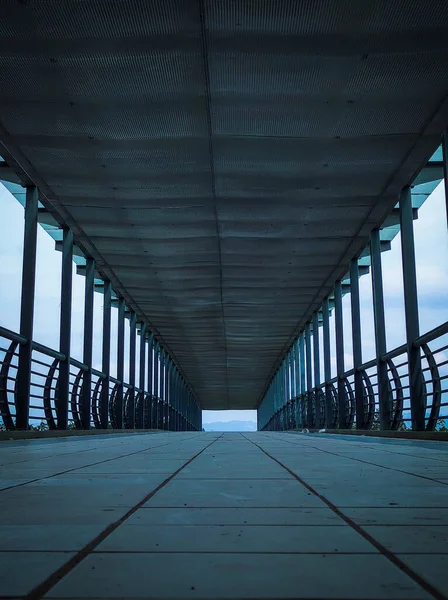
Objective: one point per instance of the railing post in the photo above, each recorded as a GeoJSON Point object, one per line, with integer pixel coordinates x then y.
{"type": "Point", "coordinates": [417, 399]}
{"type": "Point", "coordinates": [316, 361]}
{"type": "Point", "coordinates": [445, 169]}
{"type": "Point", "coordinates": [327, 362]}
{"type": "Point", "coordinates": [65, 329]}
{"type": "Point", "coordinates": [293, 387]}
{"type": "Point", "coordinates": [142, 376]}
{"type": "Point", "coordinates": [107, 305]}
{"type": "Point", "coordinates": [150, 379]}
{"type": "Point", "coordinates": [380, 330]}
{"type": "Point", "coordinates": [86, 401]}
{"type": "Point", "coordinates": [340, 367]}
{"type": "Point", "coordinates": [132, 342]}
{"type": "Point", "coordinates": [156, 385]}
{"type": "Point", "coordinates": [302, 378]}
{"type": "Point", "coordinates": [162, 387]}
{"type": "Point", "coordinates": [297, 403]}
{"type": "Point", "coordinates": [357, 345]}
{"type": "Point", "coordinates": [176, 392]}
{"type": "Point", "coordinates": [168, 394]}
{"type": "Point", "coordinates": [23, 383]}
{"type": "Point", "coordinates": [120, 361]}
{"type": "Point", "coordinates": [309, 381]}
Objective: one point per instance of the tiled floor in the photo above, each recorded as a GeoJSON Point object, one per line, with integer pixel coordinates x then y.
{"type": "Point", "coordinates": [205, 515]}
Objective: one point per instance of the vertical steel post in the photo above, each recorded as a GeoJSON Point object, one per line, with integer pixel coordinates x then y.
{"type": "Point", "coordinates": [23, 382]}
{"type": "Point", "coordinates": [380, 330]}
{"type": "Point", "coordinates": [132, 349]}
{"type": "Point", "coordinates": [167, 393]}
{"type": "Point", "coordinates": [142, 377]}
{"type": "Point", "coordinates": [149, 408]}
{"type": "Point", "coordinates": [309, 375]}
{"type": "Point", "coordinates": [150, 364]}
{"type": "Point", "coordinates": [316, 357]}
{"type": "Point", "coordinates": [340, 367]}
{"type": "Point", "coordinates": [65, 329]}
{"type": "Point", "coordinates": [298, 402]}
{"type": "Point", "coordinates": [445, 169]}
{"type": "Point", "coordinates": [86, 400]}
{"type": "Point", "coordinates": [156, 385]}
{"type": "Point", "coordinates": [417, 398]}
{"type": "Point", "coordinates": [120, 361]}
{"type": "Point", "coordinates": [302, 378]}
{"type": "Point", "coordinates": [357, 345]}
{"type": "Point", "coordinates": [327, 362]}
{"type": "Point", "coordinates": [162, 388]}
{"type": "Point", "coordinates": [107, 306]}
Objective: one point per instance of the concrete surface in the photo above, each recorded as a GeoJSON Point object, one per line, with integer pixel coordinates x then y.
{"type": "Point", "coordinates": [209, 515]}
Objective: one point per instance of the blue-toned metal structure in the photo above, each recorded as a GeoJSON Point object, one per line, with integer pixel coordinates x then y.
{"type": "Point", "coordinates": [406, 388]}
{"type": "Point", "coordinates": [223, 173]}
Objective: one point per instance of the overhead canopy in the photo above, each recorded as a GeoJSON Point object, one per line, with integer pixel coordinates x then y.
{"type": "Point", "coordinates": [222, 160]}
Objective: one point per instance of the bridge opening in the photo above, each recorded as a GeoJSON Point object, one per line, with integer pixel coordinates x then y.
{"type": "Point", "coordinates": [229, 420]}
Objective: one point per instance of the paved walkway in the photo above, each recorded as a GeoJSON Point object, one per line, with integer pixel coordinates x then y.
{"type": "Point", "coordinates": [204, 515]}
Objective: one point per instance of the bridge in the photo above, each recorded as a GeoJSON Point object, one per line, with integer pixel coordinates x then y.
{"type": "Point", "coordinates": [228, 177]}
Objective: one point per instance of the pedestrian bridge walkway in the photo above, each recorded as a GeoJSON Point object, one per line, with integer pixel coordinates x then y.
{"type": "Point", "coordinates": [209, 515]}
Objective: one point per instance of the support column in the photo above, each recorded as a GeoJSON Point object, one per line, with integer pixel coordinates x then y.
{"type": "Point", "coordinates": [340, 367]}
{"type": "Point", "coordinates": [86, 399]}
{"type": "Point", "coordinates": [445, 168]}
{"type": "Point", "coordinates": [380, 330]}
{"type": "Point", "coordinates": [132, 342]}
{"type": "Point", "coordinates": [316, 360]}
{"type": "Point", "coordinates": [162, 389]}
{"type": "Point", "coordinates": [167, 393]}
{"type": "Point", "coordinates": [149, 408]}
{"type": "Point", "coordinates": [309, 380]}
{"type": "Point", "coordinates": [411, 311]}
{"type": "Point", "coordinates": [23, 382]}
{"type": "Point", "coordinates": [327, 363]}
{"type": "Point", "coordinates": [120, 361]}
{"type": "Point", "coordinates": [65, 329]}
{"type": "Point", "coordinates": [142, 377]}
{"type": "Point", "coordinates": [357, 345]}
{"type": "Point", "coordinates": [156, 386]}
{"type": "Point", "coordinates": [302, 378]}
{"type": "Point", "coordinates": [107, 305]}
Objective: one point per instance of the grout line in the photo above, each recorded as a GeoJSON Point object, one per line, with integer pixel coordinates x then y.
{"type": "Point", "coordinates": [43, 588]}
{"type": "Point", "coordinates": [425, 585]}
{"type": "Point", "coordinates": [272, 552]}
{"type": "Point", "coordinates": [366, 462]}
{"type": "Point", "coordinates": [100, 462]}
{"type": "Point", "coordinates": [374, 464]}
{"type": "Point", "coordinates": [379, 447]}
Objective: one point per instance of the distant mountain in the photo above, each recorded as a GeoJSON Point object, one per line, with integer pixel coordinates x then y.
{"type": "Point", "coordinates": [230, 426]}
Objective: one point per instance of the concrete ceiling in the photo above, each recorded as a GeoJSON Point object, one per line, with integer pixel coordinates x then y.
{"type": "Point", "coordinates": [222, 160]}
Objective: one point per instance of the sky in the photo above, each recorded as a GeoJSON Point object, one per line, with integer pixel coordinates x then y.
{"type": "Point", "coordinates": [431, 243]}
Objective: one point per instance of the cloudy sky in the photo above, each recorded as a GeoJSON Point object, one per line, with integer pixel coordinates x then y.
{"type": "Point", "coordinates": [432, 272]}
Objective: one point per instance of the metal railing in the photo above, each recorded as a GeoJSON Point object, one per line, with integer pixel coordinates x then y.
{"type": "Point", "coordinates": [135, 408]}
{"type": "Point", "coordinates": [310, 409]}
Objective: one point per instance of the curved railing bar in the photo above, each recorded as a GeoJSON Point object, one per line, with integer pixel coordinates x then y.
{"type": "Point", "coordinates": [95, 403]}
{"type": "Point", "coordinates": [7, 417]}
{"type": "Point", "coordinates": [48, 409]}
{"type": "Point", "coordinates": [75, 398]}
{"type": "Point", "coordinates": [397, 416]}
{"type": "Point", "coordinates": [436, 387]}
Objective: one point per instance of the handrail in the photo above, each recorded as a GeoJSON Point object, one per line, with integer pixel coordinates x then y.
{"type": "Point", "coordinates": [48, 351]}
{"type": "Point", "coordinates": [12, 335]}
{"type": "Point", "coordinates": [432, 335]}
{"type": "Point", "coordinates": [80, 365]}
{"type": "Point", "coordinates": [8, 396]}
{"type": "Point", "coordinates": [99, 374]}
